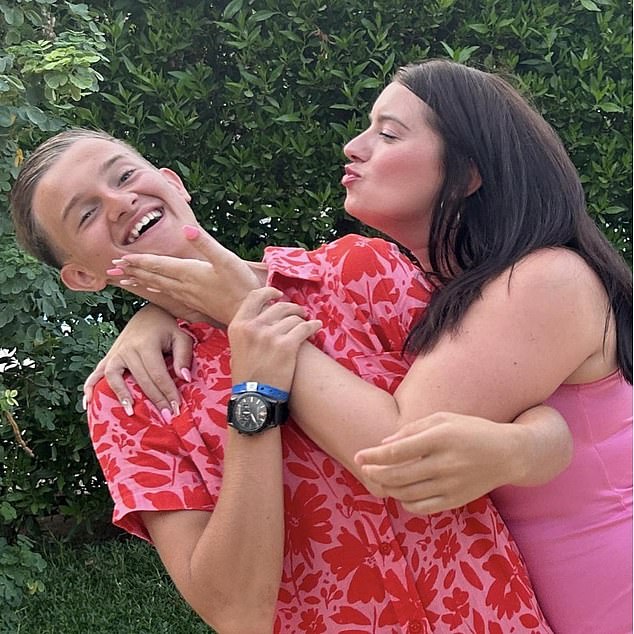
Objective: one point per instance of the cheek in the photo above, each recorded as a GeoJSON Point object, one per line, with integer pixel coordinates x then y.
{"type": "Point", "coordinates": [414, 177]}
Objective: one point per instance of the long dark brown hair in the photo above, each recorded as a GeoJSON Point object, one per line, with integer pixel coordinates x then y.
{"type": "Point", "coordinates": [531, 198]}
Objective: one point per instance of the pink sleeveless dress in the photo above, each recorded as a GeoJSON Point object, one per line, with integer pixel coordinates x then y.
{"type": "Point", "coordinates": [576, 531]}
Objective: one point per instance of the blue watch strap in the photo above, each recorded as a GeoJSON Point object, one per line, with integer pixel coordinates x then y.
{"type": "Point", "coordinates": [260, 388]}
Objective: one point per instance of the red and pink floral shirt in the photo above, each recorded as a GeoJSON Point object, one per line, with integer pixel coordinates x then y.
{"type": "Point", "coordinates": [352, 563]}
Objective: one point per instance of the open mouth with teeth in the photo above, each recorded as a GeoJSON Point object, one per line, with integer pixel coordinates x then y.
{"type": "Point", "coordinates": [147, 221]}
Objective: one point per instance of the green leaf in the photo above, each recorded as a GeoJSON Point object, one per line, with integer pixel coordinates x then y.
{"type": "Point", "coordinates": [479, 28]}
{"type": "Point", "coordinates": [448, 48]}
{"type": "Point", "coordinates": [13, 17]}
{"type": "Point", "coordinates": [292, 117]}
{"type": "Point", "coordinates": [232, 8]}
{"type": "Point", "coordinates": [7, 118]}
{"type": "Point", "coordinates": [260, 16]}
{"type": "Point", "coordinates": [36, 116]}
{"type": "Point", "coordinates": [608, 106]}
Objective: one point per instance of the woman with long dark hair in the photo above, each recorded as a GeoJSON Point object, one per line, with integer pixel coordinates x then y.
{"type": "Point", "coordinates": [532, 305]}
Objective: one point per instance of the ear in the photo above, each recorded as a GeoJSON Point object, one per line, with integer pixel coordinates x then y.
{"type": "Point", "coordinates": [175, 181]}
{"type": "Point", "coordinates": [79, 279]}
{"type": "Point", "coordinates": [475, 180]}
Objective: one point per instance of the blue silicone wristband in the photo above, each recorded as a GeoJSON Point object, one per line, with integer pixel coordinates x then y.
{"type": "Point", "coordinates": [260, 388]}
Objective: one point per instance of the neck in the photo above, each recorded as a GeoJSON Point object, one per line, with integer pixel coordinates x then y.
{"type": "Point", "coordinates": [422, 256]}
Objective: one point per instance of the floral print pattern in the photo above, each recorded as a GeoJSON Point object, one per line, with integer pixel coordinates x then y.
{"type": "Point", "coordinates": [352, 563]}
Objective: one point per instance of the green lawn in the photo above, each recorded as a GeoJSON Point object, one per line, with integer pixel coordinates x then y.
{"type": "Point", "coordinates": [111, 587]}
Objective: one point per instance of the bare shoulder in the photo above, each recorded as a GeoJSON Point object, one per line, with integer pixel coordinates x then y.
{"type": "Point", "coordinates": [552, 268]}
{"type": "Point", "coordinates": [555, 276]}
{"type": "Point", "coordinates": [556, 290]}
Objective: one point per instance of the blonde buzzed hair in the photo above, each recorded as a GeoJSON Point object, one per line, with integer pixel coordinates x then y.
{"type": "Point", "coordinates": [30, 235]}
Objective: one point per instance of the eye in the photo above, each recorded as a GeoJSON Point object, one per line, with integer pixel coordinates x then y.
{"type": "Point", "coordinates": [125, 176]}
{"type": "Point", "coordinates": [388, 136]}
{"type": "Point", "coordinates": [86, 215]}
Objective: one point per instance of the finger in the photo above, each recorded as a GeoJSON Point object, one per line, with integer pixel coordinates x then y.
{"type": "Point", "coordinates": [153, 380]}
{"type": "Point", "coordinates": [297, 330]}
{"type": "Point", "coordinates": [428, 506]}
{"type": "Point", "coordinates": [93, 378]}
{"type": "Point", "coordinates": [416, 426]}
{"type": "Point", "coordinates": [398, 475]}
{"type": "Point", "coordinates": [272, 313]}
{"type": "Point", "coordinates": [207, 246]}
{"type": "Point", "coordinates": [255, 301]}
{"type": "Point", "coordinates": [114, 378]}
{"type": "Point", "coordinates": [396, 451]}
{"type": "Point", "coordinates": [147, 268]}
{"type": "Point", "coordinates": [156, 382]}
{"type": "Point", "coordinates": [416, 491]}
{"type": "Point", "coordinates": [182, 354]}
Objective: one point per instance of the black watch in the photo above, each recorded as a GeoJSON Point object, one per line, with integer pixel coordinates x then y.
{"type": "Point", "coordinates": [252, 412]}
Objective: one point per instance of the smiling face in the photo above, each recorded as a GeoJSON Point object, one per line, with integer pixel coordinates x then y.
{"type": "Point", "coordinates": [100, 201]}
{"type": "Point", "coordinates": [396, 169]}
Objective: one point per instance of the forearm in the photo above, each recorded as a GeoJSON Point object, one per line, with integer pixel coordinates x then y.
{"type": "Point", "coordinates": [338, 410]}
{"type": "Point", "coordinates": [232, 570]}
{"type": "Point", "coordinates": [343, 414]}
{"type": "Point", "coordinates": [542, 446]}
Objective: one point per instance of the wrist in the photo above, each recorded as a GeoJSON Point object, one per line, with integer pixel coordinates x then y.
{"type": "Point", "coordinates": [255, 407]}
{"type": "Point", "coordinates": [261, 388]}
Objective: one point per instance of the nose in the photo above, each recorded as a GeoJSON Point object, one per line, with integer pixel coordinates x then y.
{"type": "Point", "coordinates": [357, 149]}
{"type": "Point", "coordinates": [118, 204]}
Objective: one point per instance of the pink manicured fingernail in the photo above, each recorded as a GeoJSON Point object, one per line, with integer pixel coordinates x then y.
{"type": "Point", "coordinates": [128, 283]}
{"type": "Point", "coordinates": [166, 415]}
{"type": "Point", "coordinates": [152, 290]}
{"type": "Point", "coordinates": [191, 233]}
{"type": "Point", "coordinates": [186, 374]}
{"type": "Point", "coordinates": [127, 407]}
{"type": "Point", "coordinates": [119, 262]}
{"type": "Point", "coordinates": [176, 410]}
{"type": "Point", "coordinates": [116, 271]}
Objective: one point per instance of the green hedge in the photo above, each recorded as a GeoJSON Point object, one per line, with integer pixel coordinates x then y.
{"type": "Point", "coordinates": [251, 102]}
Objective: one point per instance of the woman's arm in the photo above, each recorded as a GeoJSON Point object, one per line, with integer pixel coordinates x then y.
{"type": "Point", "coordinates": [140, 348]}
{"type": "Point", "coordinates": [446, 460]}
{"type": "Point", "coordinates": [514, 348]}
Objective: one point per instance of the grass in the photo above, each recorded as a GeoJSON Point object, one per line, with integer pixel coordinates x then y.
{"type": "Point", "coordinates": [115, 586]}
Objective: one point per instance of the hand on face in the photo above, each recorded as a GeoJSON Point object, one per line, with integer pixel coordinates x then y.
{"type": "Point", "coordinates": [265, 338]}
{"type": "Point", "coordinates": [441, 462]}
{"type": "Point", "coordinates": [214, 285]}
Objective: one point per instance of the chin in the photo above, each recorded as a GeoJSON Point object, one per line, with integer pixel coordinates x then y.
{"type": "Point", "coordinates": [356, 211]}
{"type": "Point", "coordinates": [364, 216]}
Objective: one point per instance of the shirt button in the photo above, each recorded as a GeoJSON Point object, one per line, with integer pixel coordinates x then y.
{"type": "Point", "coordinates": [385, 548]}
{"type": "Point", "coordinates": [415, 626]}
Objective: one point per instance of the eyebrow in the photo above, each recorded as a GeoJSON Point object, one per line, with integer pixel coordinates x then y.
{"type": "Point", "coordinates": [104, 167]}
{"type": "Point", "coordinates": [390, 117]}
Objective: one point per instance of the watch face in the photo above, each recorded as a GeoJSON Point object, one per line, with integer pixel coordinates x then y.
{"type": "Point", "coordinates": [250, 413]}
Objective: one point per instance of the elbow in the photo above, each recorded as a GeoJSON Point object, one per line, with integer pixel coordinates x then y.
{"type": "Point", "coordinates": [242, 624]}
{"type": "Point", "coordinates": [550, 456]}
{"type": "Point", "coordinates": [239, 614]}
{"type": "Point", "coordinates": [564, 444]}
